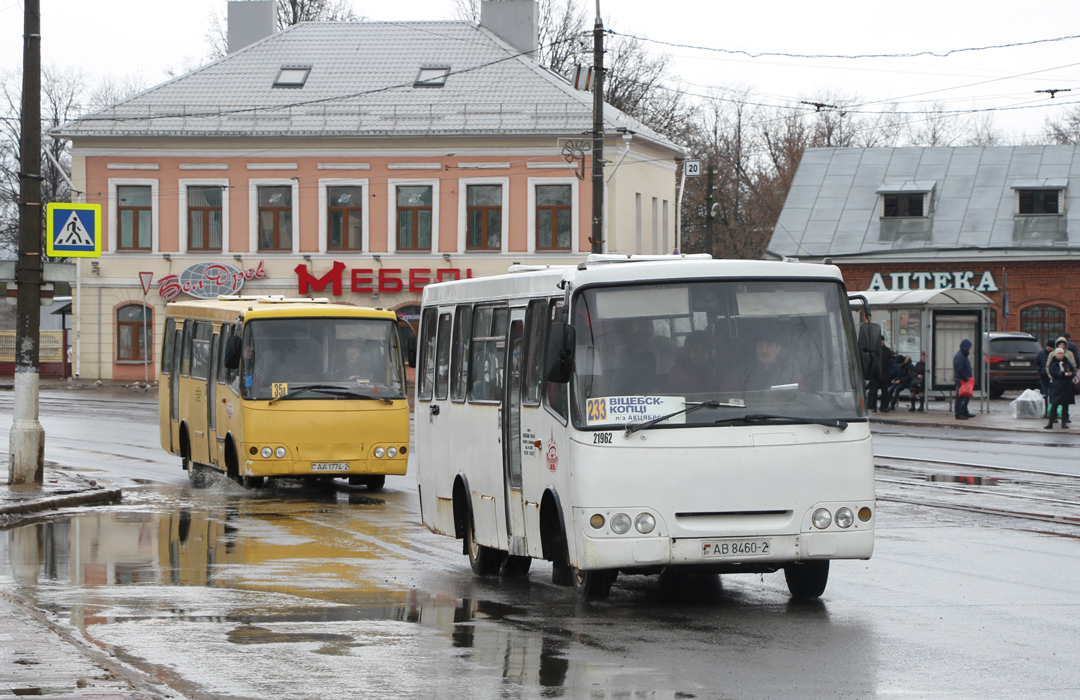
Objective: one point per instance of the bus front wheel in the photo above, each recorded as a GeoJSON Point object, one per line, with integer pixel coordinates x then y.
{"type": "Point", "coordinates": [593, 585]}
{"type": "Point", "coordinates": [807, 579]}
{"type": "Point", "coordinates": [484, 561]}
{"type": "Point", "coordinates": [199, 475]}
{"type": "Point", "coordinates": [375, 483]}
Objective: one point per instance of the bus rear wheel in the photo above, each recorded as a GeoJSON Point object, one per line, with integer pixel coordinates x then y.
{"type": "Point", "coordinates": [484, 561]}
{"type": "Point", "coordinates": [375, 483]}
{"type": "Point", "coordinates": [807, 579]}
{"type": "Point", "coordinates": [593, 585]}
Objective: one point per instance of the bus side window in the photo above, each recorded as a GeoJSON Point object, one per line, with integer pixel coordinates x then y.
{"type": "Point", "coordinates": [535, 342]}
{"type": "Point", "coordinates": [185, 349]}
{"type": "Point", "coordinates": [487, 354]}
{"type": "Point", "coordinates": [442, 357]}
{"type": "Point", "coordinates": [556, 395]}
{"type": "Point", "coordinates": [426, 380]}
{"type": "Point", "coordinates": [222, 374]}
{"type": "Point", "coordinates": [167, 346]}
{"type": "Point", "coordinates": [200, 350]}
{"type": "Point", "coordinates": [459, 353]}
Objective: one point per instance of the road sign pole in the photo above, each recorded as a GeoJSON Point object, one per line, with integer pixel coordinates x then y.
{"type": "Point", "coordinates": [26, 456]}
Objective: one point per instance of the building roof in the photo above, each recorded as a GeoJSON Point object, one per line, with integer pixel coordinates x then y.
{"type": "Point", "coordinates": [834, 206]}
{"type": "Point", "coordinates": [362, 82]}
{"type": "Point", "coordinates": [926, 297]}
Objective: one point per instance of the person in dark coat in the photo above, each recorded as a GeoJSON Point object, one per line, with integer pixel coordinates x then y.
{"type": "Point", "coordinates": [1061, 386]}
{"type": "Point", "coordinates": [901, 379]}
{"type": "Point", "coordinates": [878, 384]}
{"type": "Point", "coordinates": [962, 372]}
{"type": "Point", "coordinates": [1042, 360]}
{"type": "Point", "coordinates": [917, 385]}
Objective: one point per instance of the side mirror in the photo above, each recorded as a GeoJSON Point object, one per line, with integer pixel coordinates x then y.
{"type": "Point", "coordinates": [410, 351]}
{"type": "Point", "coordinates": [869, 344]}
{"type": "Point", "coordinates": [232, 352]}
{"type": "Point", "coordinates": [559, 359]}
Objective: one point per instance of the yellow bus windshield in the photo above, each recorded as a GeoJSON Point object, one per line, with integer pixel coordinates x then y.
{"type": "Point", "coordinates": [332, 357]}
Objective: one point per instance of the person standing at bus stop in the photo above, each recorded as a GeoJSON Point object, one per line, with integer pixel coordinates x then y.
{"type": "Point", "coordinates": [961, 373]}
{"type": "Point", "coordinates": [1061, 372]}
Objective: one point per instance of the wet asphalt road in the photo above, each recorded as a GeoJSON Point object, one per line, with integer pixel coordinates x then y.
{"type": "Point", "coordinates": [296, 592]}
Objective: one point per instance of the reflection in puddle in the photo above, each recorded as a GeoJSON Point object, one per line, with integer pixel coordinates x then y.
{"type": "Point", "coordinates": [969, 480]}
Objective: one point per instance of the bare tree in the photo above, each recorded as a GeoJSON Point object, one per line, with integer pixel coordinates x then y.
{"type": "Point", "coordinates": [1066, 131]}
{"type": "Point", "coordinates": [937, 128]}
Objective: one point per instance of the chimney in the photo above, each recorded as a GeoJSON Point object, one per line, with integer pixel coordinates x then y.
{"type": "Point", "coordinates": [249, 21]}
{"type": "Point", "coordinates": [517, 22]}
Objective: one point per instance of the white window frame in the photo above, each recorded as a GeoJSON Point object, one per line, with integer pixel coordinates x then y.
{"type": "Point", "coordinates": [324, 220]}
{"type": "Point", "coordinates": [183, 184]}
{"type": "Point", "coordinates": [575, 213]}
{"type": "Point", "coordinates": [392, 219]}
{"type": "Point", "coordinates": [463, 213]}
{"type": "Point", "coordinates": [114, 218]}
{"type": "Point", "coordinates": [253, 214]}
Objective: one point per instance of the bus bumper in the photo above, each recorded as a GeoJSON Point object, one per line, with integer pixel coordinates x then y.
{"type": "Point", "coordinates": [719, 552]}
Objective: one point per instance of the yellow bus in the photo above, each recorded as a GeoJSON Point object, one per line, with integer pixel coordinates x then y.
{"type": "Point", "coordinates": [258, 387]}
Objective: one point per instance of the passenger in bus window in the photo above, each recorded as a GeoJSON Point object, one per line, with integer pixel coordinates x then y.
{"type": "Point", "coordinates": [693, 371]}
{"type": "Point", "coordinates": [771, 366]}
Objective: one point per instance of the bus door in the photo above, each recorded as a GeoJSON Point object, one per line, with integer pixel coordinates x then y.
{"type": "Point", "coordinates": [174, 391]}
{"type": "Point", "coordinates": [211, 402]}
{"type": "Point", "coordinates": [511, 434]}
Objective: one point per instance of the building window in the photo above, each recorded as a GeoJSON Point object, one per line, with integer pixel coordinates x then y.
{"type": "Point", "coordinates": [1038, 201]}
{"type": "Point", "coordinates": [431, 76]}
{"type": "Point", "coordinates": [204, 218]}
{"type": "Point", "coordinates": [134, 207]}
{"type": "Point", "coordinates": [414, 217]}
{"type": "Point", "coordinates": [902, 204]}
{"type": "Point", "coordinates": [554, 206]}
{"type": "Point", "coordinates": [483, 207]}
{"type": "Point", "coordinates": [1046, 322]}
{"type": "Point", "coordinates": [992, 323]}
{"type": "Point", "coordinates": [275, 218]}
{"type": "Point", "coordinates": [344, 217]}
{"type": "Point", "coordinates": [134, 327]}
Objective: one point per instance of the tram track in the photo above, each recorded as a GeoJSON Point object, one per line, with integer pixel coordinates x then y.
{"type": "Point", "coordinates": [1016, 493]}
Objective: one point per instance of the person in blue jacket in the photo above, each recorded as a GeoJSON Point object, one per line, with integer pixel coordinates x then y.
{"type": "Point", "coordinates": [961, 365]}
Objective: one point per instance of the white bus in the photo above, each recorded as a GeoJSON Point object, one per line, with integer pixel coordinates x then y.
{"type": "Point", "coordinates": [646, 414]}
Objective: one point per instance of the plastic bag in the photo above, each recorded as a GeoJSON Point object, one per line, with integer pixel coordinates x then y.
{"type": "Point", "coordinates": [967, 387]}
{"type": "Point", "coordinates": [1028, 404]}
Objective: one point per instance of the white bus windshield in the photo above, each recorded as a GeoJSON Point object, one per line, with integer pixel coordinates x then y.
{"type": "Point", "coordinates": [325, 357]}
{"type": "Point", "coordinates": [762, 350]}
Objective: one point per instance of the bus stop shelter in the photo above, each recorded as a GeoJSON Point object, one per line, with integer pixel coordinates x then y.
{"type": "Point", "coordinates": [934, 321]}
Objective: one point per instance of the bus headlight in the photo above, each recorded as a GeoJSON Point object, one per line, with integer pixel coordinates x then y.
{"type": "Point", "coordinates": [379, 452]}
{"type": "Point", "coordinates": [266, 453]}
{"type": "Point", "coordinates": [620, 523]}
{"type": "Point", "coordinates": [822, 518]}
{"type": "Point", "coordinates": [280, 453]}
{"type": "Point", "coordinates": [645, 523]}
{"type": "Point", "coordinates": [391, 452]}
{"type": "Point", "coordinates": [844, 517]}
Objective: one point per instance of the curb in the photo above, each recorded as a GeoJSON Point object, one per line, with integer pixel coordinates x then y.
{"type": "Point", "coordinates": [56, 502]}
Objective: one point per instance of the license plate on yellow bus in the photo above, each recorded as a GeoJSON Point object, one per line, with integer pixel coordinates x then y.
{"type": "Point", "coordinates": [727, 549]}
{"type": "Point", "coordinates": [329, 466]}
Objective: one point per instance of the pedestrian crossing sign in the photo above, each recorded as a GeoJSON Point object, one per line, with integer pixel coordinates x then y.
{"type": "Point", "coordinates": [73, 230]}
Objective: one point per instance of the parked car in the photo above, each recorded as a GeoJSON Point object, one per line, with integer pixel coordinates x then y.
{"type": "Point", "coordinates": [1010, 358]}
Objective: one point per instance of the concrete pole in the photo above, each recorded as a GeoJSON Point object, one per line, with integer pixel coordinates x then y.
{"type": "Point", "coordinates": [26, 456]}
{"type": "Point", "coordinates": [598, 136]}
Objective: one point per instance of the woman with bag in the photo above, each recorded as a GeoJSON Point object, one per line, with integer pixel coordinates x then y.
{"type": "Point", "coordinates": [961, 375]}
{"type": "Point", "coordinates": [1062, 374]}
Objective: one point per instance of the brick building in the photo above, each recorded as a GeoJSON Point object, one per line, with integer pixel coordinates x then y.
{"type": "Point", "coordinates": [1004, 221]}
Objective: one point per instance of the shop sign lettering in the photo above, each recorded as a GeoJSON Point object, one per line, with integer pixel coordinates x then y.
{"type": "Point", "coordinates": [206, 280]}
{"type": "Point", "coordinates": [907, 281]}
{"type": "Point", "coordinates": [387, 280]}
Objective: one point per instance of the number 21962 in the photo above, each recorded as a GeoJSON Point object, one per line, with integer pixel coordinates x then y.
{"type": "Point", "coordinates": [601, 438]}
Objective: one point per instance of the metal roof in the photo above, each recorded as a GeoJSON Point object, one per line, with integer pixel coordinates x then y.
{"type": "Point", "coordinates": [362, 82]}
{"type": "Point", "coordinates": [833, 207]}
{"type": "Point", "coordinates": [926, 297]}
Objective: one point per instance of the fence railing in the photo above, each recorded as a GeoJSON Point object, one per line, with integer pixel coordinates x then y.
{"type": "Point", "coordinates": [50, 346]}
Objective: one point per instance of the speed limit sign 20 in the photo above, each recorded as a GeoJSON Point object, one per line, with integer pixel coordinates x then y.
{"type": "Point", "coordinates": [692, 168]}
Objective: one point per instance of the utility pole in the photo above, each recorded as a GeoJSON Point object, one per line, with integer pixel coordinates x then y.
{"type": "Point", "coordinates": [26, 456]}
{"type": "Point", "coordinates": [598, 135]}
{"type": "Point", "coordinates": [708, 209]}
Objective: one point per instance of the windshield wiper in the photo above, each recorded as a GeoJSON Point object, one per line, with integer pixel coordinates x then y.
{"type": "Point", "coordinates": [634, 427]}
{"type": "Point", "coordinates": [755, 417]}
{"type": "Point", "coordinates": [334, 390]}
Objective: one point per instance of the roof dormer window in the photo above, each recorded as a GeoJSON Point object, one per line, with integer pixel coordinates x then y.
{"type": "Point", "coordinates": [292, 76]}
{"type": "Point", "coordinates": [432, 76]}
{"type": "Point", "coordinates": [1038, 213]}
